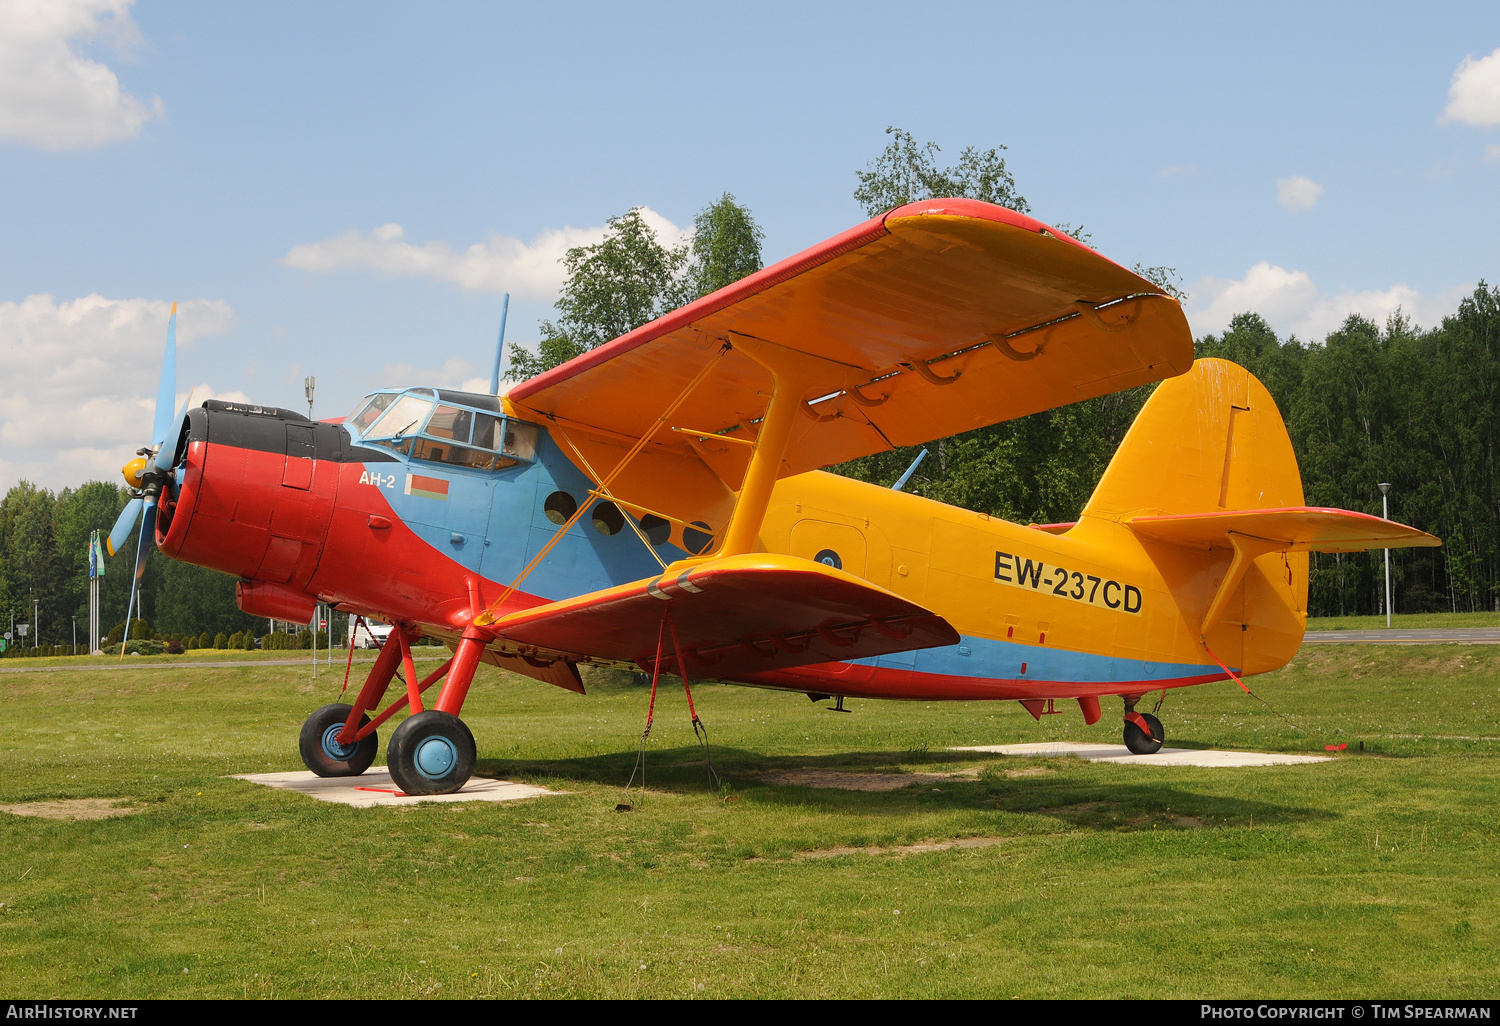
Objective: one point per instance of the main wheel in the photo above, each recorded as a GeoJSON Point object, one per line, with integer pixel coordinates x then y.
{"type": "Point", "coordinates": [1136, 739]}
{"type": "Point", "coordinates": [431, 753]}
{"type": "Point", "coordinates": [321, 751]}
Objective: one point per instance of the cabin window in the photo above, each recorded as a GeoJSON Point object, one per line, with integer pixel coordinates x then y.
{"type": "Point", "coordinates": [608, 520]}
{"type": "Point", "coordinates": [656, 530]}
{"type": "Point", "coordinates": [697, 537]}
{"type": "Point", "coordinates": [560, 507]}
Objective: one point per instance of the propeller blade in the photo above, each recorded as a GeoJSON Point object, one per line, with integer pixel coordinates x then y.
{"type": "Point", "coordinates": [166, 458]}
{"type": "Point", "coordinates": [123, 526]}
{"type": "Point", "coordinates": [166, 390]}
{"type": "Point", "coordinates": [147, 540]}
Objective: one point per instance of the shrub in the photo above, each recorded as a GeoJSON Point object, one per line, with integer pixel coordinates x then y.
{"type": "Point", "coordinates": [248, 644]}
{"type": "Point", "coordinates": [221, 640]}
{"type": "Point", "coordinates": [174, 647]}
{"type": "Point", "coordinates": [144, 647]}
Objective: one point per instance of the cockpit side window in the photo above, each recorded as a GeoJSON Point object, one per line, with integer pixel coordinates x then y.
{"type": "Point", "coordinates": [451, 422]}
{"type": "Point", "coordinates": [520, 440]}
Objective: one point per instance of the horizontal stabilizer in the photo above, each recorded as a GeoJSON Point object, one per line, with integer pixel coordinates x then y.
{"type": "Point", "coordinates": [1295, 529]}
{"type": "Point", "coordinates": [735, 615]}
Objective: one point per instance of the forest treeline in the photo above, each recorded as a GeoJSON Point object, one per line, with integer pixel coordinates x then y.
{"type": "Point", "coordinates": [1414, 407]}
{"type": "Point", "coordinates": [1419, 409]}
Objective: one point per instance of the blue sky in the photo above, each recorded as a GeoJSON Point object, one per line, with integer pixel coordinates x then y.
{"type": "Point", "coordinates": [1295, 159]}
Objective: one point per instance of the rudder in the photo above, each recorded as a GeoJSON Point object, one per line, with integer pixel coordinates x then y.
{"type": "Point", "coordinates": [1210, 439]}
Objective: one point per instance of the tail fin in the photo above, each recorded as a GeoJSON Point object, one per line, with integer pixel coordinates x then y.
{"type": "Point", "coordinates": [1207, 479]}
{"type": "Point", "coordinates": [1208, 440]}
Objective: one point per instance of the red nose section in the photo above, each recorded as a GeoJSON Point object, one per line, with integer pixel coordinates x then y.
{"type": "Point", "coordinates": [258, 514]}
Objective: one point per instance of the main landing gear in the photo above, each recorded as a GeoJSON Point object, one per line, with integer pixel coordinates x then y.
{"type": "Point", "coordinates": [431, 752]}
{"type": "Point", "coordinates": [1143, 731]}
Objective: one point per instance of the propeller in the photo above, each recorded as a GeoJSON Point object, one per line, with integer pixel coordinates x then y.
{"type": "Point", "coordinates": [151, 472]}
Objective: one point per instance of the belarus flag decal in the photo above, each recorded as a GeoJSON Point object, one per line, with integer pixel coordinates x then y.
{"type": "Point", "coordinates": [427, 487]}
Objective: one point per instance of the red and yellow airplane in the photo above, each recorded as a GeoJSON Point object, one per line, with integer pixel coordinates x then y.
{"type": "Point", "coordinates": [657, 501]}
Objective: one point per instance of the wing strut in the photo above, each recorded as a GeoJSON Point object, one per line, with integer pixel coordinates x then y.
{"type": "Point", "coordinates": [793, 373]}
{"type": "Point", "coordinates": [600, 490]}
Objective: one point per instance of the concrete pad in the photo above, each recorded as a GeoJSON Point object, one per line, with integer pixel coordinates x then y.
{"type": "Point", "coordinates": [1165, 757]}
{"type": "Point", "coordinates": [375, 787]}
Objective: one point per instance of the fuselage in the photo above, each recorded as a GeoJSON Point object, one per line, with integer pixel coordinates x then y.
{"type": "Point", "coordinates": [431, 520]}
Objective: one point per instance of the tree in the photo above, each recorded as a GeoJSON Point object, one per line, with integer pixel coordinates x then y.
{"type": "Point", "coordinates": [906, 172]}
{"type": "Point", "coordinates": [612, 287]}
{"type": "Point", "coordinates": [725, 248]}
{"type": "Point", "coordinates": [631, 278]}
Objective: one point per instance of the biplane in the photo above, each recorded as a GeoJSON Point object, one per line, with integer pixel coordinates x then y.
{"type": "Point", "coordinates": [657, 502]}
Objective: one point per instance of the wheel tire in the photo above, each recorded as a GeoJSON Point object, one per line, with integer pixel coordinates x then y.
{"type": "Point", "coordinates": [1138, 742]}
{"type": "Point", "coordinates": [431, 753]}
{"type": "Point", "coordinates": [325, 756]}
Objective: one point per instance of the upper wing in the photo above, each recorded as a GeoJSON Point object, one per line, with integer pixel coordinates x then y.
{"type": "Point", "coordinates": [734, 615]}
{"type": "Point", "coordinates": [936, 318]}
{"type": "Point", "coordinates": [1298, 529]}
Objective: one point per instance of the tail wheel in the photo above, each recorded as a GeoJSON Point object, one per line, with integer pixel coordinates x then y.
{"type": "Point", "coordinates": [431, 753]}
{"type": "Point", "coordinates": [321, 751]}
{"type": "Point", "coordinates": [1136, 739]}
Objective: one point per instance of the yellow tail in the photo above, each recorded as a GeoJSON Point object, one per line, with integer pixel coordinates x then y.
{"type": "Point", "coordinates": [1206, 444]}
{"type": "Point", "coordinates": [1211, 439]}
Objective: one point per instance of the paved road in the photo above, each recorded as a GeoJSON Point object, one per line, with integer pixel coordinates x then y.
{"type": "Point", "coordinates": [1398, 636]}
{"type": "Point", "coordinates": [136, 664]}
{"type": "Point", "coordinates": [1463, 635]}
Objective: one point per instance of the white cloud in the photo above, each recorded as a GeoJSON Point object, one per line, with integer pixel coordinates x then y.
{"type": "Point", "coordinates": [1292, 304]}
{"type": "Point", "coordinates": [1474, 93]}
{"type": "Point", "coordinates": [503, 264]}
{"type": "Point", "coordinates": [1298, 193]}
{"type": "Point", "coordinates": [78, 387]}
{"type": "Point", "coordinates": [51, 96]}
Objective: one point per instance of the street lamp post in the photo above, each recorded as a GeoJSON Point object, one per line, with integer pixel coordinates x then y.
{"type": "Point", "coordinates": [1385, 513]}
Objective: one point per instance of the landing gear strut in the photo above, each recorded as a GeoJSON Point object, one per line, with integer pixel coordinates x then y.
{"type": "Point", "coordinates": [1143, 732]}
{"type": "Point", "coordinates": [431, 752]}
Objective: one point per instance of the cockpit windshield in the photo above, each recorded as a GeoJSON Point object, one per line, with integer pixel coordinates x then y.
{"type": "Point", "coordinates": [368, 411]}
{"type": "Point", "coordinates": [403, 418]}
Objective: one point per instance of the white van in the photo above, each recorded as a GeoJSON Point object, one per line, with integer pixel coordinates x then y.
{"type": "Point", "coordinates": [370, 634]}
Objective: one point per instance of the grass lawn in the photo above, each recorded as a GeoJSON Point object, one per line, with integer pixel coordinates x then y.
{"type": "Point", "coordinates": [1407, 621]}
{"type": "Point", "coordinates": [1374, 874]}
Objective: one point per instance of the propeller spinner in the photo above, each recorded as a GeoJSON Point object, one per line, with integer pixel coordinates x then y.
{"type": "Point", "coordinates": [151, 472]}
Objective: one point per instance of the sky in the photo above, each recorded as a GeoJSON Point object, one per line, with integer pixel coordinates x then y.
{"type": "Point", "coordinates": [346, 190]}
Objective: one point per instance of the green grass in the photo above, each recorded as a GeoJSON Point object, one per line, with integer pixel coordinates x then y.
{"type": "Point", "coordinates": [1373, 874]}
{"type": "Point", "coordinates": [1407, 621]}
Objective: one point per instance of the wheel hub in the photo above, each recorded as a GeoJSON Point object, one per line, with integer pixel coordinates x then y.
{"type": "Point", "coordinates": [332, 746]}
{"type": "Point", "coordinates": [436, 757]}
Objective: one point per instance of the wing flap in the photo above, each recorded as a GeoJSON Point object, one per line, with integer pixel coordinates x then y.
{"type": "Point", "coordinates": [736, 615]}
{"type": "Point", "coordinates": [1295, 529]}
